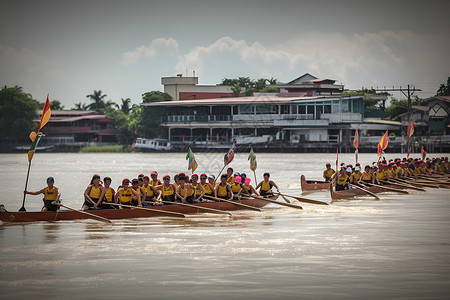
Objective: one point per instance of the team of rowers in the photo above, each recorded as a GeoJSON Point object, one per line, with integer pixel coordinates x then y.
{"type": "Point", "coordinates": [383, 171]}
{"type": "Point", "coordinates": [150, 191]}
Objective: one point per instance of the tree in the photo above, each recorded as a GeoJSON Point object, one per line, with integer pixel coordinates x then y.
{"type": "Point", "coordinates": [150, 117]}
{"type": "Point", "coordinates": [18, 111]}
{"type": "Point", "coordinates": [80, 106]}
{"type": "Point", "coordinates": [125, 106]}
{"type": "Point", "coordinates": [444, 90]}
{"type": "Point", "coordinates": [56, 105]}
{"type": "Point", "coordinates": [398, 107]}
{"type": "Point", "coordinates": [236, 90]}
{"type": "Point", "coordinates": [98, 102]}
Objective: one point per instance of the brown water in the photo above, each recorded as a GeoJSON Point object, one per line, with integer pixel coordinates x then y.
{"type": "Point", "coordinates": [395, 248]}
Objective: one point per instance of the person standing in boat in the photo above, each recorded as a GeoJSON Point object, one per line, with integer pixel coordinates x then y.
{"type": "Point", "coordinates": [92, 193]}
{"type": "Point", "coordinates": [51, 195]}
{"type": "Point", "coordinates": [107, 195]}
{"type": "Point", "coordinates": [223, 189]}
{"type": "Point", "coordinates": [266, 185]}
{"type": "Point", "coordinates": [328, 174]}
{"type": "Point", "coordinates": [124, 194]}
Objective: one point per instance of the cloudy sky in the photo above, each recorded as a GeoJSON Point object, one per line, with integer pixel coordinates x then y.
{"type": "Point", "coordinates": [71, 48]}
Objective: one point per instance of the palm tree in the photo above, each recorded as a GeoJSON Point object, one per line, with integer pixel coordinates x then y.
{"type": "Point", "coordinates": [80, 106]}
{"type": "Point", "coordinates": [98, 101]}
{"type": "Point", "coordinates": [236, 90]}
{"type": "Point", "coordinates": [125, 106]}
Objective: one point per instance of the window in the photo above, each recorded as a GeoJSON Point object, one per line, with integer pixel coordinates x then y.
{"type": "Point", "coordinates": [302, 109]}
{"type": "Point", "coordinates": [327, 108]}
{"type": "Point", "coordinates": [247, 109]}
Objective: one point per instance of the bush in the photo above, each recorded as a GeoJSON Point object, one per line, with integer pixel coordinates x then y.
{"type": "Point", "coordinates": [111, 148]}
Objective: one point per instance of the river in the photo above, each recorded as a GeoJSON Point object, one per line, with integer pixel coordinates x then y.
{"type": "Point", "coordinates": [394, 248]}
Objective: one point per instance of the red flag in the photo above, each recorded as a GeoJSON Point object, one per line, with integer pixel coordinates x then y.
{"type": "Point", "coordinates": [230, 154]}
{"type": "Point", "coordinates": [356, 140]}
{"type": "Point", "coordinates": [382, 144]}
{"type": "Point", "coordinates": [410, 130]}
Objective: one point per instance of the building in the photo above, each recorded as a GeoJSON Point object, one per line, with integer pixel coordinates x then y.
{"type": "Point", "coordinates": [74, 129]}
{"type": "Point", "coordinates": [187, 88]}
{"type": "Point", "coordinates": [309, 85]}
{"type": "Point", "coordinates": [439, 115]}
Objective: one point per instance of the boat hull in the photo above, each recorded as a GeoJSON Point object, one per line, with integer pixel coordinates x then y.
{"type": "Point", "coordinates": [115, 214]}
{"type": "Point", "coordinates": [311, 185]}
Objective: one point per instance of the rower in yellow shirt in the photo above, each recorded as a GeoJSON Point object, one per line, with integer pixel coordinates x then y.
{"type": "Point", "coordinates": [51, 195]}
{"type": "Point", "coordinates": [328, 173]}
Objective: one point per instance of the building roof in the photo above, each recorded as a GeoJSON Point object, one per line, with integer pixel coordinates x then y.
{"type": "Point", "coordinates": [59, 116]}
{"type": "Point", "coordinates": [442, 98]}
{"type": "Point", "coordinates": [245, 100]}
{"type": "Point", "coordinates": [419, 107]}
{"type": "Point", "coordinates": [323, 80]}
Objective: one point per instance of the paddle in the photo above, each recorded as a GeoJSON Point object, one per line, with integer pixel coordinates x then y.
{"type": "Point", "coordinates": [163, 212]}
{"type": "Point", "coordinates": [233, 202]}
{"type": "Point", "coordinates": [368, 192]}
{"type": "Point", "coordinates": [92, 216]}
{"type": "Point", "coordinates": [205, 209]}
{"type": "Point", "coordinates": [305, 200]}
{"type": "Point", "coordinates": [276, 202]}
{"type": "Point", "coordinates": [419, 184]}
{"type": "Point", "coordinates": [404, 185]}
{"type": "Point", "coordinates": [285, 199]}
{"type": "Point", "coordinates": [387, 188]}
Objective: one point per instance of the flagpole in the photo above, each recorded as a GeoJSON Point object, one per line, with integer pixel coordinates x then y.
{"type": "Point", "coordinates": [256, 181]}
{"type": "Point", "coordinates": [26, 185]}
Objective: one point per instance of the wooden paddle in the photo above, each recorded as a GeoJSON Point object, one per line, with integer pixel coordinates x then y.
{"type": "Point", "coordinates": [276, 202]}
{"type": "Point", "coordinates": [419, 184]}
{"type": "Point", "coordinates": [305, 200]}
{"type": "Point", "coordinates": [163, 212]}
{"type": "Point", "coordinates": [387, 188]}
{"type": "Point", "coordinates": [92, 216]}
{"type": "Point", "coordinates": [368, 192]}
{"type": "Point", "coordinates": [404, 185]}
{"type": "Point", "coordinates": [233, 202]}
{"type": "Point", "coordinates": [205, 209]}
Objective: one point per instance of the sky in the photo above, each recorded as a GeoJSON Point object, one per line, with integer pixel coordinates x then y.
{"type": "Point", "coordinates": [68, 49]}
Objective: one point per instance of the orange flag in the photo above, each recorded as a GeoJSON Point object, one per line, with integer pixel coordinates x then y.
{"type": "Point", "coordinates": [356, 140]}
{"type": "Point", "coordinates": [46, 113]}
{"type": "Point", "coordinates": [410, 130]}
{"type": "Point", "coordinates": [382, 144]}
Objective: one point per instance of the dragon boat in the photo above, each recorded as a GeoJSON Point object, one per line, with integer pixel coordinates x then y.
{"type": "Point", "coordinates": [313, 185]}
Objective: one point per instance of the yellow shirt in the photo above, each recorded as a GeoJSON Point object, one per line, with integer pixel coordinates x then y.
{"type": "Point", "coordinates": [329, 173]}
{"type": "Point", "coordinates": [222, 191]}
{"type": "Point", "coordinates": [50, 194]}
{"type": "Point", "coordinates": [125, 195]}
{"type": "Point", "coordinates": [95, 192]}
{"type": "Point", "coordinates": [109, 195]}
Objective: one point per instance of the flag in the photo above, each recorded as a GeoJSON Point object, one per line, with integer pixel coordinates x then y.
{"type": "Point", "coordinates": [46, 113]}
{"type": "Point", "coordinates": [192, 164]}
{"type": "Point", "coordinates": [252, 158]}
{"type": "Point", "coordinates": [356, 140]}
{"type": "Point", "coordinates": [409, 148]}
{"type": "Point", "coordinates": [228, 158]}
{"type": "Point", "coordinates": [383, 143]}
{"type": "Point", "coordinates": [423, 152]}
{"type": "Point", "coordinates": [33, 147]}
{"type": "Point", "coordinates": [410, 130]}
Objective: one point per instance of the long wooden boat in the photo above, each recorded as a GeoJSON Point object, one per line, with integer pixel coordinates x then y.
{"type": "Point", "coordinates": [313, 185]}
{"type": "Point", "coordinates": [115, 214]}
{"type": "Point", "coordinates": [346, 194]}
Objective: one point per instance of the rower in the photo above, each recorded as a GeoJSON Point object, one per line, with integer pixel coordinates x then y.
{"type": "Point", "coordinates": [342, 180]}
{"type": "Point", "coordinates": [236, 187]}
{"type": "Point", "coordinates": [198, 188]}
{"type": "Point", "coordinates": [51, 195]}
{"type": "Point", "coordinates": [212, 181]}
{"type": "Point", "coordinates": [247, 189]}
{"type": "Point", "coordinates": [367, 175]}
{"type": "Point", "coordinates": [266, 185]}
{"type": "Point", "coordinates": [185, 191]}
{"type": "Point", "coordinates": [207, 186]}
{"type": "Point", "coordinates": [223, 189]}
{"type": "Point", "coordinates": [356, 175]}
{"type": "Point", "coordinates": [125, 193]}
{"type": "Point", "coordinates": [92, 193]}
{"type": "Point", "coordinates": [167, 189]}
{"type": "Point", "coordinates": [380, 174]}
{"type": "Point", "coordinates": [135, 186]}
{"type": "Point", "coordinates": [107, 195]}
{"type": "Point", "coordinates": [230, 177]}
{"type": "Point", "coordinates": [328, 173]}
{"type": "Point", "coordinates": [150, 194]}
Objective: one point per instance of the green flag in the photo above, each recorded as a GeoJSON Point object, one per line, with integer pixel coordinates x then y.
{"type": "Point", "coordinates": [33, 147]}
{"type": "Point", "coordinates": [192, 164]}
{"type": "Point", "coordinates": [252, 159]}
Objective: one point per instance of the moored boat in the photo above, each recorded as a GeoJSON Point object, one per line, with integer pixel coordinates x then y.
{"type": "Point", "coordinates": [313, 185]}
{"type": "Point", "coordinates": [115, 214]}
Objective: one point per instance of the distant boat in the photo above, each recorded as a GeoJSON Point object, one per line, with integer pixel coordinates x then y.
{"type": "Point", "coordinates": [39, 148]}
{"type": "Point", "coordinates": [151, 145]}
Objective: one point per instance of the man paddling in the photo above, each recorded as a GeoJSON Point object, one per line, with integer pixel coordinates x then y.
{"type": "Point", "coordinates": [328, 173]}
{"type": "Point", "coordinates": [51, 195]}
{"type": "Point", "coordinates": [266, 185]}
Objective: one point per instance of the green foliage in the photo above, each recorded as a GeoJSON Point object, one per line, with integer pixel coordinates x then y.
{"type": "Point", "coordinates": [150, 118]}
{"type": "Point", "coordinates": [111, 148]}
{"type": "Point", "coordinates": [398, 107]}
{"type": "Point", "coordinates": [56, 105]}
{"type": "Point", "coordinates": [268, 90]}
{"type": "Point", "coordinates": [80, 106]}
{"type": "Point", "coordinates": [248, 85]}
{"type": "Point", "coordinates": [17, 112]}
{"type": "Point", "coordinates": [98, 103]}
{"type": "Point", "coordinates": [236, 90]}
{"type": "Point", "coordinates": [444, 90]}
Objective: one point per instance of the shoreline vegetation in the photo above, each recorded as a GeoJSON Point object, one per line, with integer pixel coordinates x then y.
{"type": "Point", "coordinates": [106, 149]}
